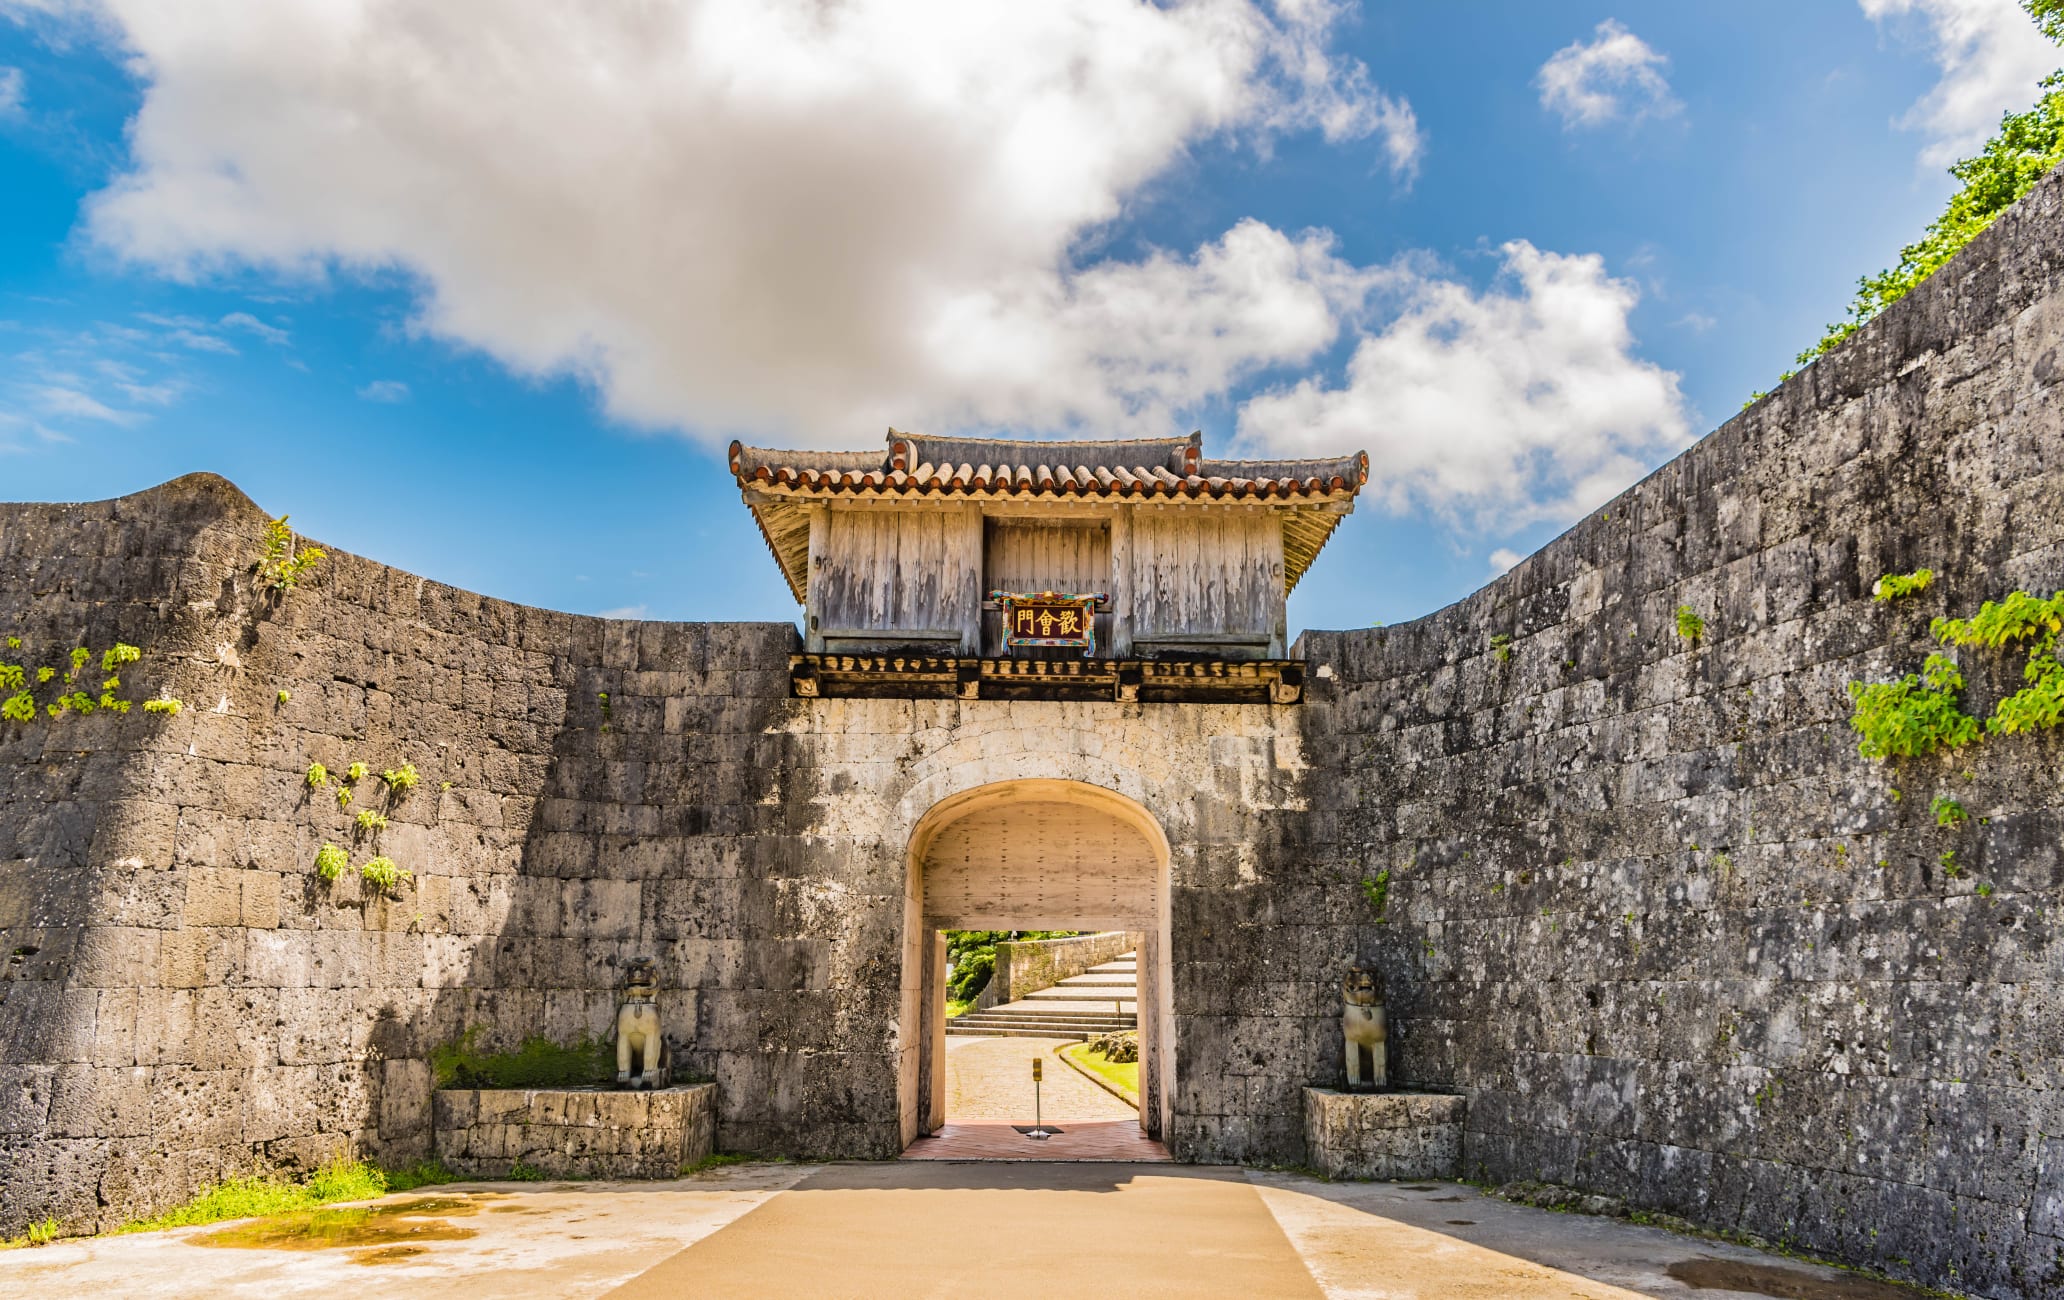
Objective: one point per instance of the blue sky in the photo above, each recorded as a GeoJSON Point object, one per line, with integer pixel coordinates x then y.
{"type": "Point", "coordinates": [484, 294]}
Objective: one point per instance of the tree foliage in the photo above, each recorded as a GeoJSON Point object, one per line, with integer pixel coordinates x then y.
{"type": "Point", "coordinates": [2026, 145]}
{"type": "Point", "coordinates": [972, 954]}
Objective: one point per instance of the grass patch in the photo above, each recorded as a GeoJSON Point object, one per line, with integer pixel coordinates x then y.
{"type": "Point", "coordinates": [424, 1173]}
{"type": "Point", "coordinates": [538, 1063]}
{"type": "Point", "coordinates": [956, 1007]}
{"type": "Point", "coordinates": [245, 1198]}
{"type": "Point", "coordinates": [714, 1160]}
{"type": "Point", "coordinates": [1123, 1073]}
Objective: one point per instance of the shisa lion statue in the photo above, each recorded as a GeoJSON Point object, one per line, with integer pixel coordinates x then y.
{"type": "Point", "coordinates": [643, 1059]}
{"type": "Point", "coordinates": [1362, 1024]}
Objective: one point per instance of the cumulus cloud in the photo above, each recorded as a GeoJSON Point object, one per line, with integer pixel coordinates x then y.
{"type": "Point", "coordinates": [13, 92]}
{"type": "Point", "coordinates": [773, 217]}
{"type": "Point", "coordinates": [1521, 403]}
{"type": "Point", "coordinates": [385, 390]}
{"type": "Point", "coordinates": [1992, 55]}
{"type": "Point", "coordinates": [1615, 75]}
{"type": "Point", "coordinates": [1502, 559]}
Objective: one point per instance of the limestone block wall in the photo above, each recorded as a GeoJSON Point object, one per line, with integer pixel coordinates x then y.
{"type": "Point", "coordinates": [1647, 906]}
{"type": "Point", "coordinates": [183, 998]}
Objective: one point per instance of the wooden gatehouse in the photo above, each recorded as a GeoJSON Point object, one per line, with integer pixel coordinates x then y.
{"type": "Point", "coordinates": [998, 568]}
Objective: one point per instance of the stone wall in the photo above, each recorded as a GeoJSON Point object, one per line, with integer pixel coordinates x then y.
{"type": "Point", "coordinates": [1649, 909]}
{"type": "Point", "coordinates": [186, 999]}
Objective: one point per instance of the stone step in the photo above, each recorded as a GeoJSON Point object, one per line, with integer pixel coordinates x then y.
{"type": "Point", "coordinates": [1071, 1023]}
{"type": "Point", "coordinates": [1083, 1013]}
{"type": "Point", "coordinates": [1072, 1018]}
{"type": "Point", "coordinates": [1059, 994]}
{"type": "Point", "coordinates": [1097, 982]}
{"type": "Point", "coordinates": [1047, 1032]}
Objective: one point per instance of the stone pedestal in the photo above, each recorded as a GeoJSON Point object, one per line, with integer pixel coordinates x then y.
{"type": "Point", "coordinates": [1383, 1134]}
{"type": "Point", "coordinates": [574, 1132]}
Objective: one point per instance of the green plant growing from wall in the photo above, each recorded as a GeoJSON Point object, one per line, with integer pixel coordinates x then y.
{"type": "Point", "coordinates": [119, 655]}
{"type": "Point", "coordinates": [80, 655]}
{"type": "Point", "coordinates": [369, 820]}
{"type": "Point", "coordinates": [1948, 812]}
{"type": "Point", "coordinates": [164, 704]}
{"type": "Point", "coordinates": [1501, 646]}
{"type": "Point", "coordinates": [318, 776]}
{"type": "Point", "coordinates": [2017, 620]}
{"type": "Point", "coordinates": [45, 674]}
{"type": "Point", "coordinates": [1377, 892]}
{"type": "Point", "coordinates": [401, 780]}
{"type": "Point", "coordinates": [1893, 586]}
{"type": "Point", "coordinates": [330, 862]}
{"type": "Point", "coordinates": [2025, 147]}
{"type": "Point", "coordinates": [355, 773]}
{"type": "Point", "coordinates": [1913, 716]}
{"type": "Point", "coordinates": [11, 678]}
{"type": "Point", "coordinates": [284, 696]}
{"type": "Point", "coordinates": [1689, 625]}
{"type": "Point", "coordinates": [14, 643]}
{"type": "Point", "coordinates": [19, 707]}
{"type": "Point", "coordinates": [608, 714]}
{"type": "Point", "coordinates": [385, 875]}
{"type": "Point", "coordinates": [1949, 865]}
{"type": "Point", "coordinates": [280, 566]}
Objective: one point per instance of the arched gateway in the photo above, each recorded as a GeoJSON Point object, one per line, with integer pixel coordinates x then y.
{"type": "Point", "coordinates": [1103, 624]}
{"type": "Point", "coordinates": [1035, 854]}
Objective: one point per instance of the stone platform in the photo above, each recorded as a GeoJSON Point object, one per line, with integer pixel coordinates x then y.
{"type": "Point", "coordinates": [575, 1132]}
{"type": "Point", "coordinates": [1409, 1135]}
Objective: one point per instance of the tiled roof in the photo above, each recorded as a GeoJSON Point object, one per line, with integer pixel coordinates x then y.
{"type": "Point", "coordinates": [780, 485]}
{"type": "Point", "coordinates": [1152, 467]}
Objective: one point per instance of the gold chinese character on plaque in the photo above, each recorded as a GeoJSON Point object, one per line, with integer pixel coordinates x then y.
{"type": "Point", "coordinates": [1051, 618]}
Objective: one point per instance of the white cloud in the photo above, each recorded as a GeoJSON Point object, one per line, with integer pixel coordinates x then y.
{"type": "Point", "coordinates": [626, 611]}
{"type": "Point", "coordinates": [776, 217]}
{"type": "Point", "coordinates": [1992, 56]}
{"type": "Point", "coordinates": [13, 92]}
{"type": "Point", "coordinates": [1616, 75]}
{"type": "Point", "coordinates": [243, 320]}
{"type": "Point", "coordinates": [1514, 405]}
{"type": "Point", "coordinates": [385, 390]}
{"type": "Point", "coordinates": [1504, 558]}
{"type": "Point", "coordinates": [61, 401]}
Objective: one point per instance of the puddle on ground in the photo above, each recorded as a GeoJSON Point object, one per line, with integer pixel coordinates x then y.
{"type": "Point", "coordinates": [515, 1209]}
{"type": "Point", "coordinates": [387, 1254]}
{"type": "Point", "coordinates": [1420, 1187]}
{"type": "Point", "coordinates": [394, 1227]}
{"type": "Point", "coordinates": [1462, 1223]}
{"type": "Point", "coordinates": [1782, 1283]}
{"type": "Point", "coordinates": [1441, 1200]}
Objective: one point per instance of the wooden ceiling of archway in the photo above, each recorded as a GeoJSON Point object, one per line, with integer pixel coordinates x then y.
{"type": "Point", "coordinates": [1040, 864]}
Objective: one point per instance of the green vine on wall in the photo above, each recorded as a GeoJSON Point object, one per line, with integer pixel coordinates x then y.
{"type": "Point", "coordinates": [1895, 585]}
{"type": "Point", "coordinates": [22, 705]}
{"type": "Point", "coordinates": [280, 566]}
{"type": "Point", "coordinates": [1919, 715]}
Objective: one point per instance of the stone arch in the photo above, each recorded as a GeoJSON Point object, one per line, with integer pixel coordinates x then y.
{"type": "Point", "coordinates": [1032, 852]}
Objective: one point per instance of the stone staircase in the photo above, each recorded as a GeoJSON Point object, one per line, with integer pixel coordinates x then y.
{"type": "Point", "coordinates": [1097, 1001]}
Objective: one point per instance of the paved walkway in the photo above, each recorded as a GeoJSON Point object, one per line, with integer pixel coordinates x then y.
{"type": "Point", "coordinates": [990, 1080]}
{"type": "Point", "coordinates": [1109, 1139]}
{"type": "Point", "coordinates": [916, 1229]}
